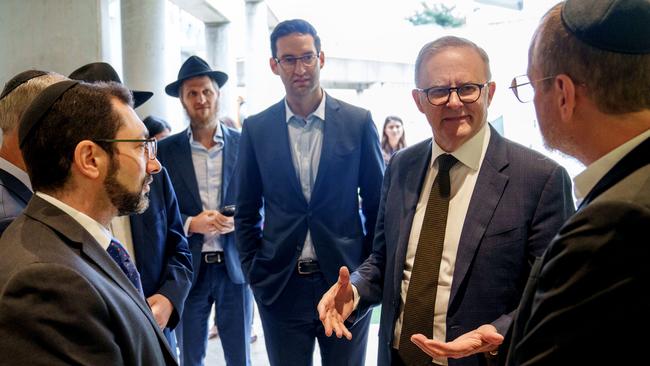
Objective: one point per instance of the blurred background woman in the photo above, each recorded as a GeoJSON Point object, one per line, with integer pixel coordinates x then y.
{"type": "Point", "coordinates": [392, 138]}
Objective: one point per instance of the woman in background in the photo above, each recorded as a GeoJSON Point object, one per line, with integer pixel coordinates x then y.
{"type": "Point", "coordinates": [393, 137]}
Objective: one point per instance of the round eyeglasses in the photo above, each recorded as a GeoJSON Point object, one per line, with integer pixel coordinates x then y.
{"type": "Point", "coordinates": [150, 145]}
{"type": "Point", "coordinates": [522, 87]}
{"type": "Point", "coordinates": [467, 93]}
{"type": "Point", "coordinates": [289, 63]}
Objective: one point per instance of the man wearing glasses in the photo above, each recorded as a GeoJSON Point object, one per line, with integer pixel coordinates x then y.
{"type": "Point", "coordinates": [70, 293]}
{"type": "Point", "coordinates": [462, 218]}
{"type": "Point", "coordinates": [306, 161]}
{"type": "Point", "coordinates": [588, 76]}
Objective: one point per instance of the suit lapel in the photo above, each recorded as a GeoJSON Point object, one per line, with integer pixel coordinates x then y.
{"type": "Point", "coordinates": [16, 186]}
{"type": "Point", "coordinates": [416, 170]}
{"type": "Point", "coordinates": [279, 135]}
{"type": "Point", "coordinates": [76, 236]}
{"type": "Point", "coordinates": [229, 159]}
{"type": "Point", "coordinates": [489, 188]}
{"type": "Point", "coordinates": [182, 162]}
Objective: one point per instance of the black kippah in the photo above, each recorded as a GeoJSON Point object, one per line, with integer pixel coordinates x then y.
{"type": "Point", "coordinates": [39, 108]}
{"type": "Point", "coordinates": [20, 79]}
{"type": "Point", "coordinates": [621, 26]}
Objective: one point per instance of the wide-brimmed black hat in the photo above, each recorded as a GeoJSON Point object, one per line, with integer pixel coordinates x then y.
{"type": "Point", "coordinates": [621, 26]}
{"type": "Point", "coordinates": [193, 67]}
{"type": "Point", "coordinates": [101, 71]}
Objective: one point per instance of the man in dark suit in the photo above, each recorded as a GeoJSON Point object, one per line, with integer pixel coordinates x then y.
{"type": "Point", "coordinates": [155, 237]}
{"type": "Point", "coordinates": [201, 163]}
{"type": "Point", "coordinates": [587, 295]}
{"type": "Point", "coordinates": [15, 188]}
{"type": "Point", "coordinates": [70, 293]}
{"type": "Point", "coordinates": [306, 161]}
{"type": "Point", "coordinates": [502, 203]}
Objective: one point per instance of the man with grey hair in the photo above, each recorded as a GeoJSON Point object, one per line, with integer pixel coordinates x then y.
{"type": "Point", "coordinates": [461, 220]}
{"type": "Point", "coordinates": [588, 77]}
{"type": "Point", "coordinates": [15, 188]}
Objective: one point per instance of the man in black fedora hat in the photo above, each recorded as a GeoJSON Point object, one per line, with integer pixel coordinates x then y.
{"type": "Point", "coordinates": [586, 297]}
{"type": "Point", "coordinates": [154, 238]}
{"type": "Point", "coordinates": [201, 163]}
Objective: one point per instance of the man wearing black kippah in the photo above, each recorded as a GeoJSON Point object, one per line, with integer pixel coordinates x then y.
{"type": "Point", "coordinates": [69, 292]}
{"type": "Point", "coordinates": [589, 66]}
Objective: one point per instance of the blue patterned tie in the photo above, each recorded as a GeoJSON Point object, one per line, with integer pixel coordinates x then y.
{"type": "Point", "coordinates": [121, 257]}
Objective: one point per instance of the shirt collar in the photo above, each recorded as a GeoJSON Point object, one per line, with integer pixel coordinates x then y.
{"type": "Point", "coordinates": [20, 174]}
{"type": "Point", "coordinates": [584, 182]}
{"type": "Point", "coordinates": [218, 134]}
{"type": "Point", "coordinates": [96, 230]}
{"type": "Point", "coordinates": [319, 112]}
{"type": "Point", "coordinates": [470, 152]}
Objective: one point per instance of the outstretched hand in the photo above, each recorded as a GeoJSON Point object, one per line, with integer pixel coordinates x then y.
{"type": "Point", "coordinates": [483, 339]}
{"type": "Point", "coordinates": [336, 305]}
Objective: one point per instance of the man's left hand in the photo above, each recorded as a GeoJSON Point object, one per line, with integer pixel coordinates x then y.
{"type": "Point", "coordinates": [483, 339]}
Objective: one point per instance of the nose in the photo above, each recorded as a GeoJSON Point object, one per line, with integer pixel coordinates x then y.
{"type": "Point", "coordinates": [454, 101]}
{"type": "Point", "coordinates": [153, 166]}
{"type": "Point", "coordinates": [300, 67]}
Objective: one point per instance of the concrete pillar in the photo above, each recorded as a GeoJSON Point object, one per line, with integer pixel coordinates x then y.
{"type": "Point", "coordinates": [52, 35]}
{"type": "Point", "coordinates": [262, 87]}
{"type": "Point", "coordinates": [144, 50]}
{"type": "Point", "coordinates": [220, 46]}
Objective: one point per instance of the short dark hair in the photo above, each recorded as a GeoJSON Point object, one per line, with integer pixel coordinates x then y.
{"type": "Point", "coordinates": [155, 125]}
{"type": "Point", "coordinates": [432, 48]}
{"type": "Point", "coordinates": [616, 82]}
{"type": "Point", "coordinates": [84, 112]}
{"type": "Point", "coordinates": [293, 26]}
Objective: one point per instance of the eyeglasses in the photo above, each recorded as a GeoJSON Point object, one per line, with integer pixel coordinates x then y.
{"type": "Point", "coordinates": [467, 93]}
{"type": "Point", "coordinates": [289, 63]}
{"type": "Point", "coordinates": [150, 145]}
{"type": "Point", "coordinates": [522, 87]}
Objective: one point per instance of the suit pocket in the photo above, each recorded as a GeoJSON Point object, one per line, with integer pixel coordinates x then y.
{"type": "Point", "coordinates": [504, 235]}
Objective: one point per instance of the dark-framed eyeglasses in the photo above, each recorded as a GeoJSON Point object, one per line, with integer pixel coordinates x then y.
{"type": "Point", "coordinates": [289, 63]}
{"type": "Point", "coordinates": [522, 87]}
{"type": "Point", "coordinates": [467, 93]}
{"type": "Point", "coordinates": [150, 145]}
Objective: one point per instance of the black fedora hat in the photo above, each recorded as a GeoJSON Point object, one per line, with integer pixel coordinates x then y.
{"type": "Point", "coordinates": [193, 67]}
{"type": "Point", "coordinates": [101, 71]}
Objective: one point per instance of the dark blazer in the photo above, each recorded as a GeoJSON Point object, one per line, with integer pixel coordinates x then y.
{"type": "Point", "coordinates": [175, 154]}
{"type": "Point", "coordinates": [520, 200]}
{"type": "Point", "coordinates": [161, 251]}
{"type": "Point", "coordinates": [64, 301]}
{"type": "Point", "coordinates": [13, 187]}
{"type": "Point", "coordinates": [588, 294]}
{"type": "Point", "coordinates": [347, 169]}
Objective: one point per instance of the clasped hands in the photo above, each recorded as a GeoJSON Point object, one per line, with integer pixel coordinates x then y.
{"type": "Point", "coordinates": [337, 304]}
{"type": "Point", "coordinates": [211, 222]}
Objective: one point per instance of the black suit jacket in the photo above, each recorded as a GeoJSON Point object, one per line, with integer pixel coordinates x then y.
{"type": "Point", "coordinates": [587, 297]}
{"type": "Point", "coordinates": [64, 301]}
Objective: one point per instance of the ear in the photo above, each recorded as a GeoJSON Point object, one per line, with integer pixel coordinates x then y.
{"type": "Point", "coordinates": [89, 159]}
{"type": "Point", "coordinates": [416, 97]}
{"type": "Point", "coordinates": [321, 59]}
{"type": "Point", "coordinates": [274, 66]}
{"type": "Point", "coordinates": [564, 94]}
{"type": "Point", "coordinates": [492, 86]}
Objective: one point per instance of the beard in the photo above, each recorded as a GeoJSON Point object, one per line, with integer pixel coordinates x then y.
{"type": "Point", "coordinates": [125, 201]}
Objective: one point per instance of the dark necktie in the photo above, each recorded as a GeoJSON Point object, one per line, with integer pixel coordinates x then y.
{"type": "Point", "coordinates": [121, 257]}
{"type": "Point", "coordinates": [421, 294]}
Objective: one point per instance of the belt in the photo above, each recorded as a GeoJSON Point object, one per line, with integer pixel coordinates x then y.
{"type": "Point", "coordinates": [213, 257]}
{"type": "Point", "coordinates": [307, 267]}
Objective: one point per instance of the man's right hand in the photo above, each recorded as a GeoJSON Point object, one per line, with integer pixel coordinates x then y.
{"type": "Point", "coordinates": [336, 305]}
{"type": "Point", "coordinates": [205, 223]}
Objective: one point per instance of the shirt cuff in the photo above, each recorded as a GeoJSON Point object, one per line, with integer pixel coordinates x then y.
{"type": "Point", "coordinates": [186, 227]}
{"type": "Point", "coordinates": [355, 297]}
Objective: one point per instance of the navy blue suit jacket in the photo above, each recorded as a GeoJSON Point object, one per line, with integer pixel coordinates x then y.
{"type": "Point", "coordinates": [161, 252]}
{"type": "Point", "coordinates": [351, 164]}
{"type": "Point", "coordinates": [520, 200]}
{"type": "Point", "coordinates": [11, 186]}
{"type": "Point", "coordinates": [175, 154]}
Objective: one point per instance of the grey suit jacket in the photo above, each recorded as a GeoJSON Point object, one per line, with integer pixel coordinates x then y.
{"type": "Point", "coordinates": [520, 200]}
{"type": "Point", "coordinates": [64, 301]}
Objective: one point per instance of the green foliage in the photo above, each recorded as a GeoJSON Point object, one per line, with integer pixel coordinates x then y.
{"type": "Point", "coordinates": [436, 14]}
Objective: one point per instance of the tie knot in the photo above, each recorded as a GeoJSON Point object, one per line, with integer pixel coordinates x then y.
{"type": "Point", "coordinates": [446, 162]}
